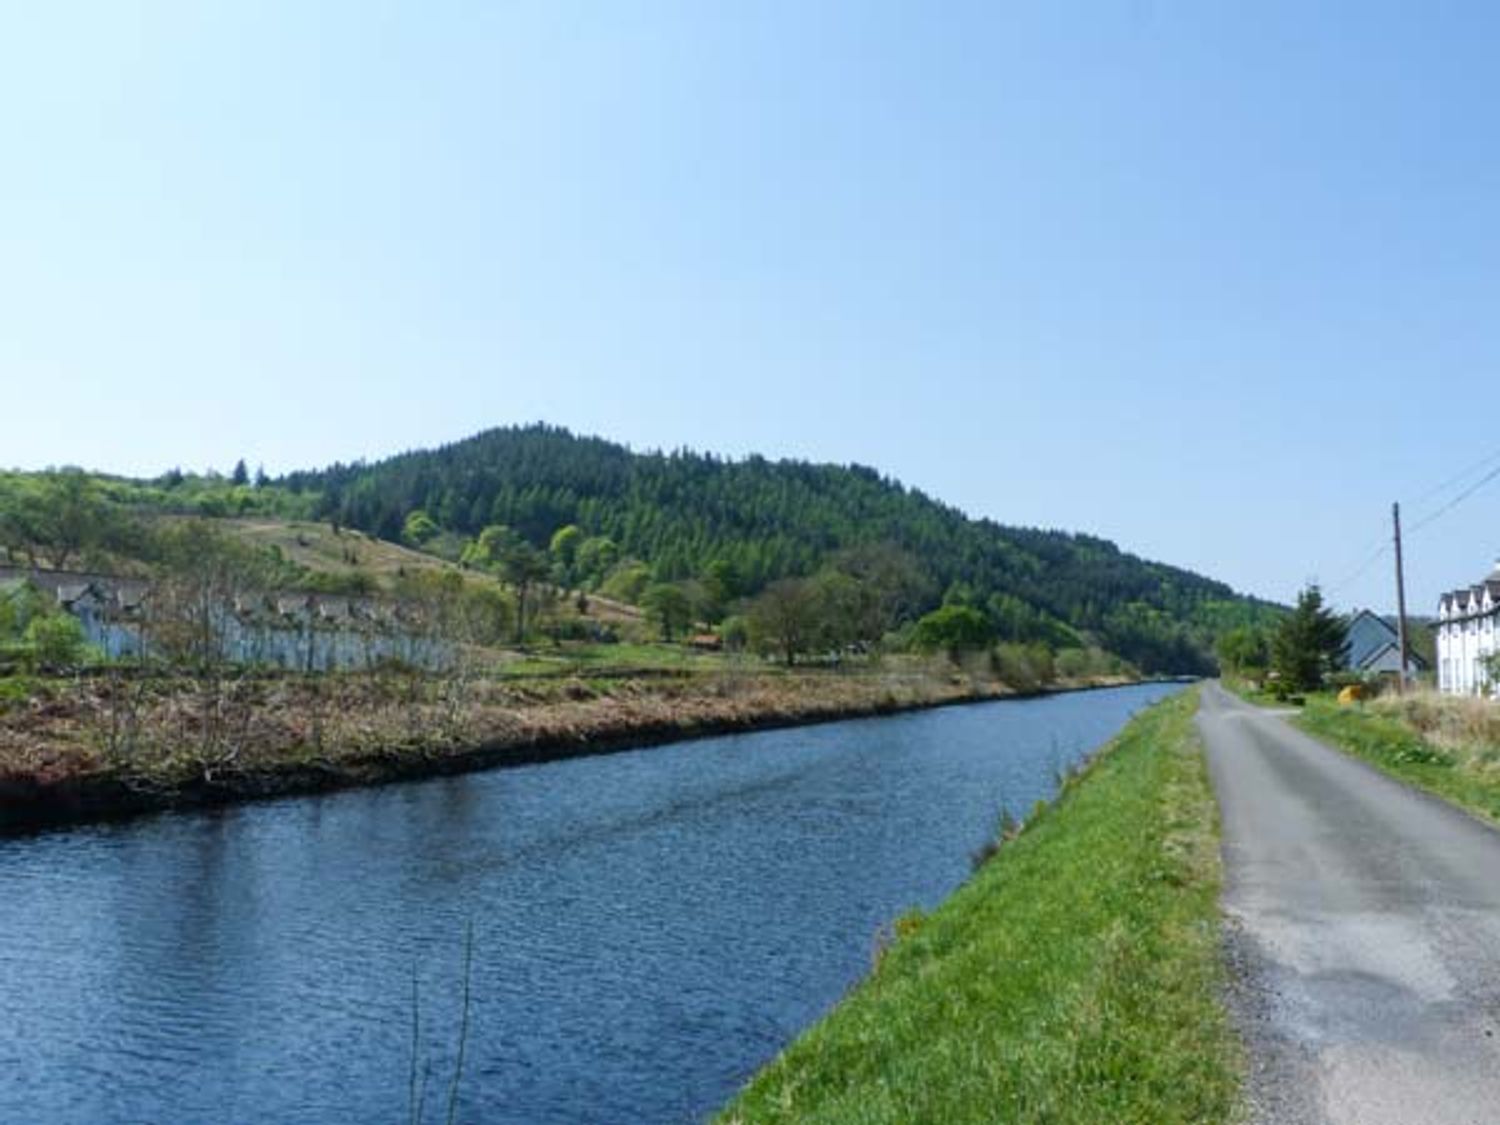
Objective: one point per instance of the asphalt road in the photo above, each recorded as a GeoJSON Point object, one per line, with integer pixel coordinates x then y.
{"type": "Point", "coordinates": [1364, 932]}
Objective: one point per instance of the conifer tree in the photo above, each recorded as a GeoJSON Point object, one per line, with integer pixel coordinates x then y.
{"type": "Point", "coordinates": [1309, 643]}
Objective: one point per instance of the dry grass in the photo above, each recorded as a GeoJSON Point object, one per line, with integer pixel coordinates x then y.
{"type": "Point", "coordinates": [1447, 745]}
{"type": "Point", "coordinates": [318, 548]}
{"type": "Point", "coordinates": [1467, 727]}
{"type": "Point", "coordinates": [172, 730]}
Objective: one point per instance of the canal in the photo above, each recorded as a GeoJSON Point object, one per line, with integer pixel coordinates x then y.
{"type": "Point", "coordinates": [647, 927]}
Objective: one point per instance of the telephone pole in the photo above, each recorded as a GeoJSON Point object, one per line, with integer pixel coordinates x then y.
{"type": "Point", "coordinates": [1400, 597]}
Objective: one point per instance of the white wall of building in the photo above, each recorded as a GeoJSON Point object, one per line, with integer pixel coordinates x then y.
{"type": "Point", "coordinates": [1467, 633]}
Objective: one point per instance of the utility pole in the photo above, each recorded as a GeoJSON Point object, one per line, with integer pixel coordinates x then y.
{"type": "Point", "coordinates": [1400, 597]}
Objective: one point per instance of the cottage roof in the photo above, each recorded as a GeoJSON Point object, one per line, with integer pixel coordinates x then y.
{"type": "Point", "coordinates": [71, 593]}
{"type": "Point", "coordinates": [1367, 634]}
{"type": "Point", "coordinates": [1413, 659]}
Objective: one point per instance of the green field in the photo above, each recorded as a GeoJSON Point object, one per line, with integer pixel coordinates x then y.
{"type": "Point", "coordinates": [1075, 978]}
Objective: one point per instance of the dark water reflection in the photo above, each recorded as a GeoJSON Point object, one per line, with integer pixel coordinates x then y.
{"type": "Point", "coordinates": [648, 927]}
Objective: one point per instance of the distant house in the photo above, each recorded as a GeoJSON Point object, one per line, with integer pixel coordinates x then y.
{"type": "Point", "coordinates": [1375, 647]}
{"type": "Point", "coordinates": [1467, 635]}
{"type": "Point", "coordinates": [299, 630]}
{"type": "Point", "coordinates": [87, 601]}
{"type": "Point", "coordinates": [109, 607]}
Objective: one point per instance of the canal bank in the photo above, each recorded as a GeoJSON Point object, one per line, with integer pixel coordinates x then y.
{"type": "Point", "coordinates": [1076, 977]}
{"type": "Point", "coordinates": [316, 736]}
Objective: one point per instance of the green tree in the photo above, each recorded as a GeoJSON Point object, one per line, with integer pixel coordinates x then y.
{"type": "Point", "coordinates": [670, 607]}
{"type": "Point", "coordinates": [1309, 643]}
{"type": "Point", "coordinates": [735, 633]}
{"type": "Point", "coordinates": [893, 586]}
{"type": "Point", "coordinates": [564, 551]}
{"type": "Point", "coordinates": [241, 474]}
{"type": "Point", "coordinates": [56, 640]}
{"type": "Point", "coordinates": [19, 606]}
{"type": "Point", "coordinates": [784, 619]}
{"type": "Point", "coordinates": [841, 610]}
{"type": "Point", "coordinates": [55, 518]}
{"type": "Point", "coordinates": [419, 529]}
{"type": "Point", "coordinates": [718, 586]}
{"type": "Point", "coordinates": [953, 629]}
{"type": "Point", "coordinates": [1244, 651]}
{"type": "Point", "coordinates": [523, 567]}
{"type": "Point", "coordinates": [202, 576]}
{"type": "Point", "coordinates": [489, 550]}
{"type": "Point", "coordinates": [627, 582]}
{"type": "Point", "coordinates": [486, 613]}
{"type": "Point", "coordinates": [595, 557]}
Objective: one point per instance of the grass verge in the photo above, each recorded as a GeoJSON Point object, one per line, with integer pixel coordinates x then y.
{"type": "Point", "coordinates": [1422, 739]}
{"type": "Point", "coordinates": [1076, 978]}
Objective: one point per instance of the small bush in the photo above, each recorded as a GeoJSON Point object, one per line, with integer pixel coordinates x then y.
{"type": "Point", "coordinates": [15, 690]}
{"type": "Point", "coordinates": [56, 641]}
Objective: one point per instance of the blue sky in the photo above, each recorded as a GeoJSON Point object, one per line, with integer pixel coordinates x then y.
{"type": "Point", "coordinates": [1217, 281]}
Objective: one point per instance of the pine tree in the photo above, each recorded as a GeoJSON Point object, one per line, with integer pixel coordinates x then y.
{"type": "Point", "coordinates": [1310, 643]}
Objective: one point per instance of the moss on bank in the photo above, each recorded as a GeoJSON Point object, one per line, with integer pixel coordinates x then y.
{"type": "Point", "coordinates": [1075, 978]}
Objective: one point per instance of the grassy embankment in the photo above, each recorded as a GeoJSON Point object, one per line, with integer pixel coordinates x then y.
{"type": "Point", "coordinates": [1448, 746]}
{"type": "Point", "coordinates": [1075, 978]}
{"type": "Point", "coordinates": [108, 744]}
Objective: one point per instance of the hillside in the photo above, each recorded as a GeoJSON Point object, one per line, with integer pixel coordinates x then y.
{"type": "Point", "coordinates": [739, 526]}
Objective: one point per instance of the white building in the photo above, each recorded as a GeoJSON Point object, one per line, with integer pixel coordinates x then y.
{"type": "Point", "coordinates": [1467, 633]}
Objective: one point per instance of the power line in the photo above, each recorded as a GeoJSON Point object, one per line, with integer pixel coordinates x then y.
{"type": "Point", "coordinates": [1359, 571]}
{"type": "Point", "coordinates": [1436, 489]}
{"type": "Point", "coordinates": [1455, 502]}
{"type": "Point", "coordinates": [1384, 547]}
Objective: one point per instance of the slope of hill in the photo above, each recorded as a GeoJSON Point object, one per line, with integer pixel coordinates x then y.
{"type": "Point", "coordinates": [746, 524]}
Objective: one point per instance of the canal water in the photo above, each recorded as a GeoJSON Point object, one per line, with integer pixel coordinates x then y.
{"type": "Point", "coordinates": [647, 928]}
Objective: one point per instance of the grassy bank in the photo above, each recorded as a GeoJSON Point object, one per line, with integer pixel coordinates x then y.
{"type": "Point", "coordinates": [1075, 978]}
{"type": "Point", "coordinates": [1448, 746]}
{"type": "Point", "coordinates": [108, 745]}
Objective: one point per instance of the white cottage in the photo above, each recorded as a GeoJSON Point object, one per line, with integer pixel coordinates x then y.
{"type": "Point", "coordinates": [1468, 631]}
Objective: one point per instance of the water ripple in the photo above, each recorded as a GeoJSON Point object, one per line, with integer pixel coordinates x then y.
{"type": "Point", "coordinates": [648, 927]}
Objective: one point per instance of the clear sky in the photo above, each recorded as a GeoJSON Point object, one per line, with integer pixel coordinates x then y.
{"type": "Point", "coordinates": [1217, 281]}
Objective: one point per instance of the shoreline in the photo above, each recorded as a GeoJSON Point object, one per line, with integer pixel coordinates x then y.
{"type": "Point", "coordinates": [29, 805]}
{"type": "Point", "coordinates": [1117, 1015]}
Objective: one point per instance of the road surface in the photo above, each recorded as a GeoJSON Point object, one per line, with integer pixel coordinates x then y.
{"type": "Point", "coordinates": [1364, 932]}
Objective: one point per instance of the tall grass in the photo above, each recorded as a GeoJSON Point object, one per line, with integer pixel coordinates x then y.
{"type": "Point", "coordinates": [1075, 978]}
{"type": "Point", "coordinates": [1447, 745]}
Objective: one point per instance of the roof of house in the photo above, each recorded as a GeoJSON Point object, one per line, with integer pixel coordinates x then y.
{"type": "Point", "coordinates": [1414, 660]}
{"type": "Point", "coordinates": [1462, 597]}
{"type": "Point", "coordinates": [1370, 637]}
{"type": "Point", "coordinates": [1367, 633]}
{"type": "Point", "coordinates": [70, 593]}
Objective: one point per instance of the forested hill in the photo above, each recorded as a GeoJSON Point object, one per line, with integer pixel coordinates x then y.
{"type": "Point", "coordinates": [745, 524]}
